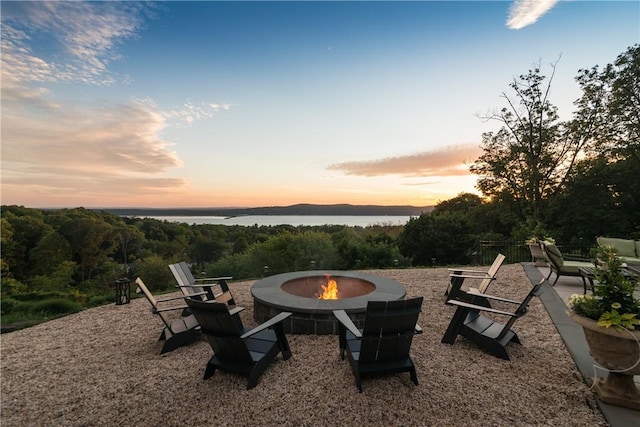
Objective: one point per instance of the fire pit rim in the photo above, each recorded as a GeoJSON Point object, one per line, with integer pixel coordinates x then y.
{"type": "Point", "coordinates": [269, 291]}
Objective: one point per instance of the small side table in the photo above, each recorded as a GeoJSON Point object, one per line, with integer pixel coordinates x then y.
{"type": "Point", "coordinates": [589, 273]}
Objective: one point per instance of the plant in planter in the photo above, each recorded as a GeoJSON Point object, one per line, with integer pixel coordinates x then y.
{"type": "Point", "coordinates": [609, 319]}
{"type": "Point", "coordinates": [533, 243]}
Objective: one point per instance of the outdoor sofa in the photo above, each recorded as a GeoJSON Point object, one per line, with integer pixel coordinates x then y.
{"type": "Point", "coordinates": [628, 250]}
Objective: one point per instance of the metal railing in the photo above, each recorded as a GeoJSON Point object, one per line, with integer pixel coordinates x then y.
{"type": "Point", "coordinates": [485, 251]}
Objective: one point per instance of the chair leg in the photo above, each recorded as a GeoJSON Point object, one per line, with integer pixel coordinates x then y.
{"type": "Point", "coordinates": [342, 339]}
{"type": "Point", "coordinates": [252, 381]}
{"type": "Point", "coordinates": [414, 376]}
{"type": "Point", "coordinates": [555, 281]}
{"type": "Point", "coordinates": [359, 383]}
{"type": "Point", "coordinates": [178, 340]}
{"type": "Point", "coordinates": [455, 325]}
{"type": "Point", "coordinates": [283, 343]}
{"type": "Point", "coordinates": [209, 371]}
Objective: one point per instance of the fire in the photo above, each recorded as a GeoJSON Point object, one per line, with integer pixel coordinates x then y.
{"type": "Point", "coordinates": [328, 290]}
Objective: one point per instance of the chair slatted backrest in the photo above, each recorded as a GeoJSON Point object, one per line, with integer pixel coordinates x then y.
{"type": "Point", "coordinates": [389, 328]}
{"type": "Point", "coordinates": [186, 272]}
{"type": "Point", "coordinates": [178, 273]}
{"type": "Point", "coordinates": [221, 328]}
{"type": "Point", "coordinates": [183, 281]}
{"type": "Point", "coordinates": [491, 273]}
{"type": "Point", "coordinates": [186, 281]}
{"type": "Point", "coordinates": [152, 300]}
{"type": "Point", "coordinates": [218, 290]}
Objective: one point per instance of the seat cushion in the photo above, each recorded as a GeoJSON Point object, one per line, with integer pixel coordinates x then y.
{"type": "Point", "coordinates": [554, 254]}
{"type": "Point", "coordinates": [623, 247]}
{"type": "Point", "coordinates": [573, 266]}
{"type": "Point", "coordinates": [630, 260]}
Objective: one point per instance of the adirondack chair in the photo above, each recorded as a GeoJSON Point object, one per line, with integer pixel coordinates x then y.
{"type": "Point", "coordinates": [382, 346]}
{"type": "Point", "coordinates": [216, 288]}
{"type": "Point", "coordinates": [237, 349]}
{"type": "Point", "coordinates": [486, 332]}
{"type": "Point", "coordinates": [177, 332]}
{"type": "Point", "coordinates": [458, 276]}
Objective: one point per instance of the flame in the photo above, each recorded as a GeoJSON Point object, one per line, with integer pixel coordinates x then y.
{"type": "Point", "coordinates": [328, 290]}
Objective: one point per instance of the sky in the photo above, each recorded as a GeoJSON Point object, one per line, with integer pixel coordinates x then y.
{"type": "Point", "coordinates": [247, 104]}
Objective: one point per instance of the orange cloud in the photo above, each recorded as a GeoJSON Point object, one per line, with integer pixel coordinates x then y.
{"type": "Point", "coordinates": [448, 161]}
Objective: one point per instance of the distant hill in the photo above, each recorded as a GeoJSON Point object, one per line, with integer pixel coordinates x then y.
{"type": "Point", "coordinates": [299, 209]}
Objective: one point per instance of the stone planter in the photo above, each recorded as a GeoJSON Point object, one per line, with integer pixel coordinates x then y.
{"type": "Point", "coordinates": [537, 255]}
{"type": "Point", "coordinates": [619, 352]}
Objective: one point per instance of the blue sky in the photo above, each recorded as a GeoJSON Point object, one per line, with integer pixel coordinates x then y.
{"type": "Point", "coordinates": [202, 104]}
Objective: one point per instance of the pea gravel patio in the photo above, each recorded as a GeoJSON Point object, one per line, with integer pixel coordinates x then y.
{"type": "Point", "coordinates": [102, 367]}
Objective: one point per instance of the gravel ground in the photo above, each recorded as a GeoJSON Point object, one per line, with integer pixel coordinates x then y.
{"type": "Point", "coordinates": [102, 367]}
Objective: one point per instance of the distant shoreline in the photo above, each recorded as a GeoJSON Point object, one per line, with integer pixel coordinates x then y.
{"type": "Point", "coordinates": [299, 209]}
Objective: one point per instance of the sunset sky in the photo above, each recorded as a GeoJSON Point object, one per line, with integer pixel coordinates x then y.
{"type": "Point", "coordinates": [206, 104]}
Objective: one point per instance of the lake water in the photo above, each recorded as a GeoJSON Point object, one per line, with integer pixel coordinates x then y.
{"type": "Point", "coordinates": [310, 220]}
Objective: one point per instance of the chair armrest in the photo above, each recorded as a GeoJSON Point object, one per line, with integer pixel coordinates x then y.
{"type": "Point", "coordinates": [195, 293]}
{"type": "Point", "coordinates": [466, 276]}
{"type": "Point", "coordinates": [461, 270]}
{"type": "Point", "coordinates": [235, 310]}
{"type": "Point", "coordinates": [160, 310]}
{"type": "Point", "coordinates": [480, 308]}
{"type": "Point", "coordinates": [576, 258]}
{"type": "Point", "coordinates": [269, 323]}
{"type": "Point", "coordinates": [344, 318]}
{"type": "Point", "coordinates": [214, 279]}
{"type": "Point", "coordinates": [171, 299]}
{"type": "Point", "coordinates": [494, 298]}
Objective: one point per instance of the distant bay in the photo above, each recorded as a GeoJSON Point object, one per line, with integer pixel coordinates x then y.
{"type": "Point", "coordinates": [292, 210]}
{"type": "Point", "coordinates": [295, 220]}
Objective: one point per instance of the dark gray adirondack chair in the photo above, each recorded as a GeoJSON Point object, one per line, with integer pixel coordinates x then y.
{"type": "Point", "coordinates": [458, 276]}
{"type": "Point", "coordinates": [214, 288]}
{"type": "Point", "coordinates": [483, 331]}
{"type": "Point", "coordinates": [237, 349]}
{"type": "Point", "coordinates": [177, 332]}
{"type": "Point", "coordinates": [382, 346]}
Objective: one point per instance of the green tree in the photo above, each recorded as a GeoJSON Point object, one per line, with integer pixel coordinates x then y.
{"type": "Point", "coordinates": [436, 239]}
{"type": "Point", "coordinates": [528, 160]}
{"type": "Point", "coordinates": [92, 240]}
{"type": "Point", "coordinates": [608, 118]}
{"type": "Point", "coordinates": [462, 203]}
{"type": "Point", "coordinates": [24, 228]}
{"type": "Point", "coordinates": [609, 108]}
{"type": "Point", "coordinates": [49, 253]}
{"type": "Point", "coordinates": [129, 237]}
{"type": "Point", "coordinates": [286, 251]}
{"type": "Point", "coordinates": [155, 273]}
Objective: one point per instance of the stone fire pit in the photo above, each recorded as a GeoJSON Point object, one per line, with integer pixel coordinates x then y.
{"type": "Point", "coordinates": [297, 292]}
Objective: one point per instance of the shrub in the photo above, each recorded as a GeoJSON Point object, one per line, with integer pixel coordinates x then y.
{"type": "Point", "coordinates": [98, 300]}
{"type": "Point", "coordinates": [11, 306]}
{"type": "Point", "coordinates": [55, 306]}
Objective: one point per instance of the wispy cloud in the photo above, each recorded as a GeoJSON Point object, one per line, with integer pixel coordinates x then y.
{"type": "Point", "coordinates": [81, 37]}
{"type": "Point", "coordinates": [527, 12]}
{"type": "Point", "coordinates": [69, 149]}
{"type": "Point", "coordinates": [449, 161]}
{"type": "Point", "coordinates": [53, 148]}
